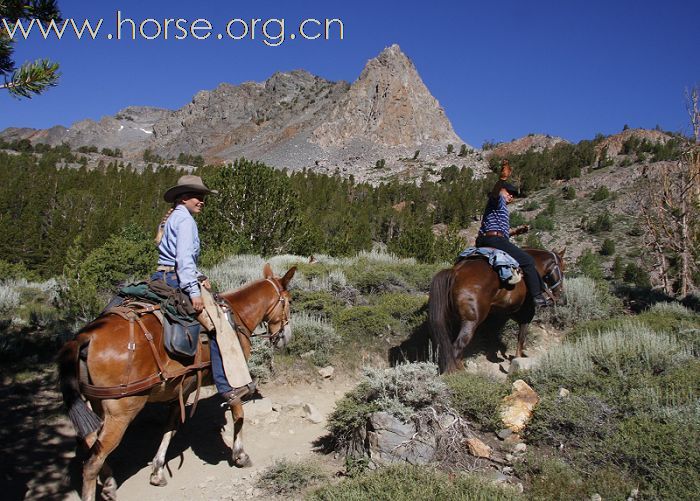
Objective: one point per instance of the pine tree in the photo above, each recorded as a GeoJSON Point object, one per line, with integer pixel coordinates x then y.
{"type": "Point", "coordinates": [32, 77]}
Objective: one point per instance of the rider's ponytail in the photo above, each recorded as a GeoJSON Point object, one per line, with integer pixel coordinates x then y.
{"type": "Point", "coordinates": [161, 226]}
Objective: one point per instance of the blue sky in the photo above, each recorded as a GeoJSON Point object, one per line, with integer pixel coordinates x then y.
{"type": "Point", "coordinates": [501, 69]}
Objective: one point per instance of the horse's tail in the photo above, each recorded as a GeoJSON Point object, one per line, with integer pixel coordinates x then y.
{"type": "Point", "coordinates": [440, 317]}
{"type": "Point", "coordinates": [84, 420]}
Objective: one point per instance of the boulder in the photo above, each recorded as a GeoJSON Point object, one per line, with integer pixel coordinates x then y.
{"type": "Point", "coordinates": [326, 372]}
{"type": "Point", "coordinates": [477, 448]}
{"type": "Point", "coordinates": [516, 409]}
{"type": "Point", "coordinates": [390, 440]}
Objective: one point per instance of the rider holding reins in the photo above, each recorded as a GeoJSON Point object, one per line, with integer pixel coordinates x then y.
{"type": "Point", "coordinates": [495, 231]}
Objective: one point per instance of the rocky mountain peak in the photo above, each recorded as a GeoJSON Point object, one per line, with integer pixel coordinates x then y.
{"type": "Point", "coordinates": [390, 105]}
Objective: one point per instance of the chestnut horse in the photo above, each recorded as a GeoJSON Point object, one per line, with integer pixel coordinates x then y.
{"type": "Point", "coordinates": [463, 296]}
{"type": "Point", "coordinates": [108, 360]}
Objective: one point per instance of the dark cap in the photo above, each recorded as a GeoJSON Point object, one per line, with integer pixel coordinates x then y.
{"type": "Point", "coordinates": [510, 189]}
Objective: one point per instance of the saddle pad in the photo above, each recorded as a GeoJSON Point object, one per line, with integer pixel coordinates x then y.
{"type": "Point", "coordinates": [503, 263]}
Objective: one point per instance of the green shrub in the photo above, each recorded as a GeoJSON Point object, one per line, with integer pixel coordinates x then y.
{"type": "Point", "coordinates": [530, 206]}
{"type": "Point", "coordinates": [405, 482]}
{"type": "Point", "coordinates": [636, 275]}
{"type": "Point", "coordinates": [533, 241]}
{"type": "Point", "coordinates": [618, 268]}
{"type": "Point", "coordinates": [400, 391]}
{"type": "Point", "coordinates": [593, 360]}
{"type": "Point", "coordinates": [551, 208]}
{"type": "Point", "coordinates": [313, 334]}
{"type": "Point", "coordinates": [543, 222]}
{"type": "Point", "coordinates": [90, 280]}
{"type": "Point", "coordinates": [260, 361]}
{"type": "Point", "coordinates": [585, 300]}
{"type": "Point", "coordinates": [477, 397]}
{"type": "Point", "coordinates": [517, 219]}
{"type": "Point", "coordinates": [608, 247]}
{"type": "Point", "coordinates": [365, 321]}
{"type": "Point", "coordinates": [288, 478]}
{"type": "Point", "coordinates": [602, 223]}
{"type": "Point", "coordinates": [601, 194]}
{"type": "Point", "coordinates": [569, 193]}
{"type": "Point", "coordinates": [320, 303]}
{"type": "Point", "coordinates": [409, 309]}
{"type": "Point", "coordinates": [589, 265]}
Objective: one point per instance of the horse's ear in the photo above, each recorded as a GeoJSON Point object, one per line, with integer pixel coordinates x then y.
{"type": "Point", "coordinates": [562, 252]}
{"type": "Point", "coordinates": [288, 276]}
{"type": "Point", "coordinates": [267, 271]}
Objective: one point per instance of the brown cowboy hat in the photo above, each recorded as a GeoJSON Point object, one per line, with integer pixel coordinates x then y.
{"type": "Point", "coordinates": [187, 184]}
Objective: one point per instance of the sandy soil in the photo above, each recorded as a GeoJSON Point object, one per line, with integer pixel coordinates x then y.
{"type": "Point", "coordinates": [43, 463]}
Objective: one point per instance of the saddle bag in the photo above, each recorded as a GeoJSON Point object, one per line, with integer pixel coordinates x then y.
{"type": "Point", "coordinates": [180, 337]}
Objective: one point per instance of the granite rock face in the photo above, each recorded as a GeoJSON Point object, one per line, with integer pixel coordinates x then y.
{"type": "Point", "coordinates": [292, 120]}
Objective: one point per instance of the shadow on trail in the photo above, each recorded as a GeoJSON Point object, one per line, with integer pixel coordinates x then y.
{"type": "Point", "coordinates": [202, 433]}
{"type": "Point", "coordinates": [38, 442]}
{"type": "Point", "coordinates": [39, 447]}
{"type": "Point", "coordinates": [418, 347]}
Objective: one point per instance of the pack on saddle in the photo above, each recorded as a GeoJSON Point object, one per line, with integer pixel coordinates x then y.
{"type": "Point", "coordinates": [502, 263]}
{"type": "Point", "coordinates": [183, 336]}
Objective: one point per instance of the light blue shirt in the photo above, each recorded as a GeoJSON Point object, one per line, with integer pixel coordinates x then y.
{"type": "Point", "coordinates": [180, 248]}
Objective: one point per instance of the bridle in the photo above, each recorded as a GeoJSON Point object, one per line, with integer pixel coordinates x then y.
{"type": "Point", "coordinates": [280, 303]}
{"type": "Point", "coordinates": [550, 276]}
{"type": "Point", "coordinates": [242, 328]}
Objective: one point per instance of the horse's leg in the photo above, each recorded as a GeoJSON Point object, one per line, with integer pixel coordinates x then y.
{"type": "Point", "coordinates": [117, 416]}
{"type": "Point", "coordinates": [239, 457]}
{"type": "Point", "coordinates": [466, 332]}
{"type": "Point", "coordinates": [158, 472]}
{"type": "Point", "coordinates": [522, 336]}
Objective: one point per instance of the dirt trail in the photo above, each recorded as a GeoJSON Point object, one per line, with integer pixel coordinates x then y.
{"type": "Point", "coordinates": [40, 458]}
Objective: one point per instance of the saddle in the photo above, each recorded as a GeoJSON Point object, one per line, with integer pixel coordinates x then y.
{"type": "Point", "coordinates": [503, 264]}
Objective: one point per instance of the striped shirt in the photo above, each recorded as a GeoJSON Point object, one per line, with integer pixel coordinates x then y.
{"type": "Point", "coordinates": [496, 216]}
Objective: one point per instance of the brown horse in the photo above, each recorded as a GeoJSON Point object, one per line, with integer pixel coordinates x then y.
{"type": "Point", "coordinates": [115, 355]}
{"type": "Point", "coordinates": [463, 296]}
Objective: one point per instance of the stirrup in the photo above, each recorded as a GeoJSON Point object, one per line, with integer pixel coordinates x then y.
{"type": "Point", "coordinates": [234, 396]}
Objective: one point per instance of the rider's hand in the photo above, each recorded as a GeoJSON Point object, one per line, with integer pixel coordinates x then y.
{"type": "Point", "coordinates": [206, 284]}
{"type": "Point", "coordinates": [198, 303]}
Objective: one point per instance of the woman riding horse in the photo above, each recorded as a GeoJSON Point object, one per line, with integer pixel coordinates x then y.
{"type": "Point", "coordinates": [178, 249]}
{"type": "Point", "coordinates": [462, 297]}
{"type": "Point", "coordinates": [495, 231]}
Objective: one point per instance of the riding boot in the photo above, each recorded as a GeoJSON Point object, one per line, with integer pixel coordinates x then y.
{"type": "Point", "coordinates": [235, 395]}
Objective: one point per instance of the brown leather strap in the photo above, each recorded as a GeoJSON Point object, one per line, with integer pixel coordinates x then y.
{"type": "Point", "coordinates": [154, 350]}
{"type": "Point", "coordinates": [494, 234]}
{"type": "Point", "coordinates": [131, 348]}
{"type": "Point", "coordinates": [181, 399]}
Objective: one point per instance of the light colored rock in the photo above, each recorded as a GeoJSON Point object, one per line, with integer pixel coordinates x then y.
{"type": "Point", "coordinates": [477, 448]}
{"type": "Point", "coordinates": [516, 409]}
{"type": "Point", "coordinates": [521, 364]}
{"type": "Point", "coordinates": [563, 392]}
{"type": "Point", "coordinates": [504, 433]}
{"type": "Point", "coordinates": [258, 408]}
{"type": "Point", "coordinates": [596, 497]}
{"type": "Point", "coordinates": [308, 354]}
{"type": "Point", "coordinates": [520, 448]}
{"type": "Point", "coordinates": [509, 457]}
{"type": "Point", "coordinates": [326, 372]}
{"type": "Point", "coordinates": [312, 413]}
{"type": "Point", "coordinates": [388, 440]}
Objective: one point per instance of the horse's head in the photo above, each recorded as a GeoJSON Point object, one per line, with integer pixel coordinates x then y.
{"type": "Point", "coordinates": [278, 314]}
{"type": "Point", "coordinates": [553, 277]}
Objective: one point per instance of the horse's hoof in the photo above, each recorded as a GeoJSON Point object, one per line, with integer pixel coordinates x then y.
{"type": "Point", "coordinates": [158, 479]}
{"type": "Point", "coordinates": [109, 490]}
{"type": "Point", "coordinates": [242, 461]}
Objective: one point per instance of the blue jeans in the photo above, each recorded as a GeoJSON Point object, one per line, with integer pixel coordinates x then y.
{"type": "Point", "coordinates": [217, 365]}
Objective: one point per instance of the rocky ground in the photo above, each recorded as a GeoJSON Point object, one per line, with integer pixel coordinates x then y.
{"type": "Point", "coordinates": [287, 423]}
